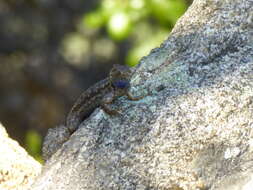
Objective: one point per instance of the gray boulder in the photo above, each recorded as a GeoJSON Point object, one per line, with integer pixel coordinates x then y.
{"type": "Point", "coordinates": [194, 131]}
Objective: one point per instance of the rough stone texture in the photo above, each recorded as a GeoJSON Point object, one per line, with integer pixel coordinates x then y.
{"type": "Point", "coordinates": [17, 169]}
{"type": "Point", "coordinates": [53, 141]}
{"type": "Point", "coordinates": [193, 132]}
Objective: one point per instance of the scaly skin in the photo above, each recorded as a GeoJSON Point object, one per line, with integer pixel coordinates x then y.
{"type": "Point", "coordinates": [102, 94]}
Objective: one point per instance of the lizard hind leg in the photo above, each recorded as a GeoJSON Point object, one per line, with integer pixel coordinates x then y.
{"type": "Point", "coordinates": [109, 109]}
{"type": "Point", "coordinates": [72, 123]}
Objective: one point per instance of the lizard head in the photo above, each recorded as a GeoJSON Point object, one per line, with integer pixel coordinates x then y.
{"type": "Point", "coordinates": [120, 76]}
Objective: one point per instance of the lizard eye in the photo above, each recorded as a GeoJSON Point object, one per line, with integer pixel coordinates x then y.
{"type": "Point", "coordinates": [121, 84]}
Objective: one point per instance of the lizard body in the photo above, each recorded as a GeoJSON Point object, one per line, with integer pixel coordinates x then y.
{"type": "Point", "coordinates": [102, 94]}
{"type": "Point", "coordinates": [86, 103]}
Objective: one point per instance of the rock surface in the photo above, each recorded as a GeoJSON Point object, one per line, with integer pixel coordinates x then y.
{"type": "Point", "coordinates": [196, 129]}
{"type": "Point", "coordinates": [17, 169]}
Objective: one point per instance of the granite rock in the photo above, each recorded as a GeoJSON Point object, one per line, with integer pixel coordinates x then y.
{"type": "Point", "coordinates": [194, 131]}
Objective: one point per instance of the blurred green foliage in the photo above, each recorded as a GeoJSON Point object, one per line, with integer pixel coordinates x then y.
{"type": "Point", "coordinates": [145, 22]}
{"type": "Point", "coordinates": [33, 142]}
{"type": "Point", "coordinates": [115, 31]}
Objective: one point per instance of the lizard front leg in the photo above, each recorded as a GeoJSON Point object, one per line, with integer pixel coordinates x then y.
{"type": "Point", "coordinates": [134, 98]}
{"type": "Point", "coordinates": [106, 104]}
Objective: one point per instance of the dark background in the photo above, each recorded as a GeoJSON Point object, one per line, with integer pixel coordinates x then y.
{"type": "Point", "coordinates": [52, 50]}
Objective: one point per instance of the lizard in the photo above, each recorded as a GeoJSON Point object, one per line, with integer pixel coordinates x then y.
{"type": "Point", "coordinates": [102, 94]}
